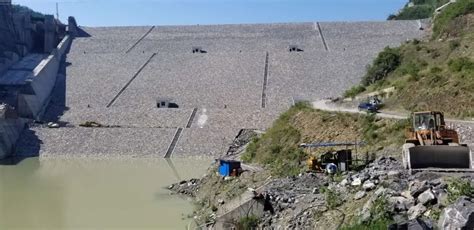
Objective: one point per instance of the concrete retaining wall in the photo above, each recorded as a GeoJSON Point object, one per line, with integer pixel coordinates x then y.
{"type": "Point", "coordinates": [33, 104]}
{"type": "Point", "coordinates": [42, 81]}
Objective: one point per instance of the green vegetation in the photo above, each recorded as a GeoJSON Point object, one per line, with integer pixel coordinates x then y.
{"type": "Point", "coordinates": [247, 223]}
{"type": "Point", "coordinates": [435, 74]}
{"type": "Point", "coordinates": [380, 224]}
{"type": "Point", "coordinates": [278, 149]}
{"type": "Point", "coordinates": [448, 22]}
{"type": "Point", "coordinates": [380, 217]}
{"type": "Point", "coordinates": [24, 9]}
{"type": "Point", "coordinates": [457, 188]}
{"type": "Point", "coordinates": [417, 9]}
{"type": "Point", "coordinates": [387, 61]}
{"type": "Point", "coordinates": [333, 199]}
{"type": "Point", "coordinates": [462, 64]}
{"type": "Point", "coordinates": [352, 92]}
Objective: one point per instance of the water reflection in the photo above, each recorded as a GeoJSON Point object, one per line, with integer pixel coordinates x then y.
{"type": "Point", "coordinates": [91, 193]}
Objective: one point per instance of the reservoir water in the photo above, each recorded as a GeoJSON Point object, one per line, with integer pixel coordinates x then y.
{"type": "Point", "coordinates": [95, 194]}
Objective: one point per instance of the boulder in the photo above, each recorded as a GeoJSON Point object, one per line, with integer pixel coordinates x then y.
{"type": "Point", "coordinates": [427, 197]}
{"type": "Point", "coordinates": [416, 211]}
{"type": "Point", "coordinates": [368, 185]}
{"type": "Point", "coordinates": [359, 195]}
{"type": "Point", "coordinates": [407, 195]}
{"type": "Point", "coordinates": [399, 203]}
{"type": "Point", "coordinates": [417, 187]}
{"type": "Point", "coordinates": [459, 215]}
{"type": "Point", "coordinates": [356, 182]}
{"type": "Point", "coordinates": [344, 182]}
{"type": "Point", "coordinates": [442, 198]}
{"type": "Point", "coordinates": [393, 173]}
{"type": "Point", "coordinates": [380, 191]}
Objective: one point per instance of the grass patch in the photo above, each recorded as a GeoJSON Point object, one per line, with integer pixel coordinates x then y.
{"type": "Point", "coordinates": [457, 188]}
{"type": "Point", "coordinates": [462, 64]}
{"type": "Point", "coordinates": [445, 23]}
{"type": "Point", "coordinates": [332, 198]}
{"type": "Point", "coordinates": [380, 217]}
{"type": "Point", "coordinates": [278, 149]}
{"type": "Point", "coordinates": [381, 224]}
{"type": "Point", "coordinates": [354, 91]}
{"type": "Point", "coordinates": [247, 223]}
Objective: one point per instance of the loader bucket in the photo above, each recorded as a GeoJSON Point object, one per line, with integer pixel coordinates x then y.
{"type": "Point", "coordinates": [439, 156]}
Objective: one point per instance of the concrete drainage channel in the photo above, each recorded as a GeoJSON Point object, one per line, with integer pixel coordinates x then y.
{"type": "Point", "coordinates": [173, 142]}
{"type": "Point", "coordinates": [130, 81]}
{"type": "Point", "coordinates": [265, 80]}
{"type": "Point", "coordinates": [318, 27]}
{"type": "Point", "coordinates": [178, 133]}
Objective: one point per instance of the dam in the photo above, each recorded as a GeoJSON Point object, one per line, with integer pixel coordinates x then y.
{"type": "Point", "coordinates": [105, 105]}
{"type": "Point", "coordinates": [242, 77]}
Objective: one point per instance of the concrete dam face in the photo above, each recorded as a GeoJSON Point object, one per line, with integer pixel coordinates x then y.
{"type": "Point", "coordinates": [181, 91]}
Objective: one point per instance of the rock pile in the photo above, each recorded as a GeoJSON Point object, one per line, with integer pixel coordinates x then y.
{"type": "Point", "coordinates": [186, 187]}
{"type": "Point", "coordinates": [459, 215]}
{"type": "Point", "coordinates": [294, 200]}
{"type": "Point", "coordinates": [241, 140]}
{"type": "Point", "coordinates": [381, 190]}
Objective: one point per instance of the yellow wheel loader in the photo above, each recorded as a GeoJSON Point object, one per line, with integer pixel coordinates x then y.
{"type": "Point", "coordinates": [430, 144]}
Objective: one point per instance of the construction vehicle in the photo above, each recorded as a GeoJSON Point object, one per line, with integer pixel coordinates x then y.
{"type": "Point", "coordinates": [319, 161]}
{"type": "Point", "coordinates": [430, 144]}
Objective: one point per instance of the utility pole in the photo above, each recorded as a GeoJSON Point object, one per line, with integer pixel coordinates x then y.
{"type": "Point", "coordinates": [57, 11]}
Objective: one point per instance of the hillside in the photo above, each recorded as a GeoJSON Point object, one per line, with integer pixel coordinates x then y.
{"type": "Point", "coordinates": [278, 147]}
{"type": "Point", "coordinates": [435, 73]}
{"type": "Point", "coordinates": [417, 9]}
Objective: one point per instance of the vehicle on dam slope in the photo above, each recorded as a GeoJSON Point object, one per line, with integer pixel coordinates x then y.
{"type": "Point", "coordinates": [431, 145]}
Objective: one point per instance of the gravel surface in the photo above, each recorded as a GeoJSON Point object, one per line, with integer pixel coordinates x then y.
{"type": "Point", "coordinates": [107, 39]}
{"type": "Point", "coordinates": [225, 84]}
{"type": "Point", "coordinates": [368, 37]}
{"type": "Point", "coordinates": [231, 38]}
{"type": "Point", "coordinates": [198, 80]}
{"type": "Point", "coordinates": [95, 142]}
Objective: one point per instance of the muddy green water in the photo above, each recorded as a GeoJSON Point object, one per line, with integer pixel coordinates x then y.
{"type": "Point", "coordinates": [95, 194]}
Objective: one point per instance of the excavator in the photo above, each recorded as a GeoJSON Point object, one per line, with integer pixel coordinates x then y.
{"type": "Point", "coordinates": [430, 144]}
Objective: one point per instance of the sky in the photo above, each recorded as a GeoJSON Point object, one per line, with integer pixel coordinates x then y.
{"type": "Point", "coordinates": [192, 12]}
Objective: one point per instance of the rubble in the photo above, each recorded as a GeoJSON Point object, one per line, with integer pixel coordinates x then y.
{"type": "Point", "coordinates": [359, 195]}
{"type": "Point", "coordinates": [459, 215]}
{"type": "Point", "coordinates": [427, 197]}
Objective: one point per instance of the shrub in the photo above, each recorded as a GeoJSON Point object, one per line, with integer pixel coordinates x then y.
{"type": "Point", "coordinates": [435, 70]}
{"type": "Point", "coordinates": [416, 12]}
{"type": "Point", "coordinates": [461, 64]}
{"type": "Point", "coordinates": [457, 188]}
{"type": "Point", "coordinates": [354, 90]}
{"type": "Point", "coordinates": [454, 44]}
{"type": "Point", "coordinates": [410, 68]}
{"type": "Point", "coordinates": [369, 128]}
{"type": "Point", "coordinates": [333, 199]}
{"type": "Point", "coordinates": [386, 62]}
{"type": "Point", "coordinates": [381, 224]}
{"type": "Point", "coordinates": [247, 223]}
